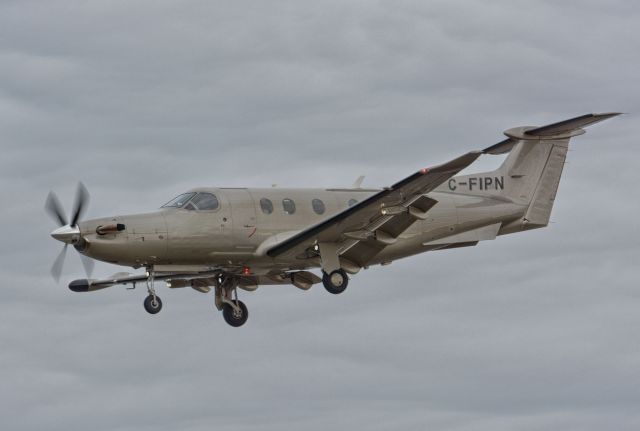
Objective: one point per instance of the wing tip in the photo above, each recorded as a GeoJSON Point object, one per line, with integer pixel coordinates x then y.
{"type": "Point", "coordinates": [609, 114]}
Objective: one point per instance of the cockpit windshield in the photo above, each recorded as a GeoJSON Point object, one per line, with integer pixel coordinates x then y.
{"type": "Point", "coordinates": [194, 201]}
{"type": "Point", "coordinates": [179, 201]}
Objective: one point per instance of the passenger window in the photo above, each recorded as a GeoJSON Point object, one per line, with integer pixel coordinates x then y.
{"type": "Point", "coordinates": [352, 202]}
{"type": "Point", "coordinates": [288, 206]}
{"type": "Point", "coordinates": [266, 205]}
{"type": "Point", "coordinates": [318, 206]}
{"type": "Point", "coordinates": [205, 201]}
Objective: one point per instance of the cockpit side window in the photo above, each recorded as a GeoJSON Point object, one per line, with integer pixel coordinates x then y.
{"type": "Point", "coordinates": [178, 201]}
{"type": "Point", "coordinates": [205, 202]}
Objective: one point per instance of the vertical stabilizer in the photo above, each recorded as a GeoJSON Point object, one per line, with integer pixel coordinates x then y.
{"type": "Point", "coordinates": [535, 163]}
{"type": "Point", "coordinates": [531, 173]}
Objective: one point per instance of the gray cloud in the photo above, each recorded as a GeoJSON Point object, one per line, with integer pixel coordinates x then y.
{"type": "Point", "coordinates": [142, 100]}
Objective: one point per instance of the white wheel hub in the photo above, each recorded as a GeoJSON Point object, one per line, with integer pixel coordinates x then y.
{"type": "Point", "coordinates": [337, 279]}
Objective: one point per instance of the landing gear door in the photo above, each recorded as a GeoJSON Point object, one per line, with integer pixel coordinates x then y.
{"type": "Point", "coordinates": [243, 219]}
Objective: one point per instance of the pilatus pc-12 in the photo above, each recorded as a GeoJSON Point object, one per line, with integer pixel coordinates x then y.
{"type": "Point", "coordinates": [230, 238]}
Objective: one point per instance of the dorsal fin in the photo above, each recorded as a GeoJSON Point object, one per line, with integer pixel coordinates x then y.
{"type": "Point", "coordinates": [358, 182]}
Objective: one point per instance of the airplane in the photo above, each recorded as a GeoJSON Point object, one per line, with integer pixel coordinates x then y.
{"type": "Point", "coordinates": [241, 238]}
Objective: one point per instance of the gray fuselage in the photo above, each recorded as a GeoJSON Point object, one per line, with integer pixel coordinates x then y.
{"type": "Point", "coordinates": [242, 227]}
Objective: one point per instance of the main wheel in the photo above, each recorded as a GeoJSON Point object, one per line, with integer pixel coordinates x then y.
{"type": "Point", "coordinates": [336, 282]}
{"type": "Point", "coordinates": [152, 305]}
{"type": "Point", "coordinates": [235, 317]}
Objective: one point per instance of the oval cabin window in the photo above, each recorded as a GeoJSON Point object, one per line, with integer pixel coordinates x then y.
{"type": "Point", "coordinates": [266, 205]}
{"type": "Point", "coordinates": [288, 206]}
{"type": "Point", "coordinates": [318, 206]}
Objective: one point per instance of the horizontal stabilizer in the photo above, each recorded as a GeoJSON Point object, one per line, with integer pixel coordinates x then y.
{"type": "Point", "coordinates": [501, 147]}
{"type": "Point", "coordinates": [564, 128]}
{"type": "Point", "coordinates": [568, 126]}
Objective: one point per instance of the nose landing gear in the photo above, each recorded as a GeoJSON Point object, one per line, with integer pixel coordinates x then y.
{"type": "Point", "coordinates": [152, 303]}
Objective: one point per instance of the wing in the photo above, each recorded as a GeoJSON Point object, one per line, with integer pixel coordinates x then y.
{"type": "Point", "coordinates": [89, 285]}
{"type": "Point", "coordinates": [200, 281]}
{"type": "Point", "coordinates": [363, 230]}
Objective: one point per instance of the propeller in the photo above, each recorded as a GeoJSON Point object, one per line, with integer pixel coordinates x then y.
{"type": "Point", "coordinates": [68, 232]}
{"type": "Point", "coordinates": [54, 208]}
{"type": "Point", "coordinates": [58, 264]}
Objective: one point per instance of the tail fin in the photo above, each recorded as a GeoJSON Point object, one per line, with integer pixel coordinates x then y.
{"type": "Point", "coordinates": [531, 173]}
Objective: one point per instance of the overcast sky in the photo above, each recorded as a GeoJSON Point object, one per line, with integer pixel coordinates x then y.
{"type": "Point", "coordinates": [143, 99]}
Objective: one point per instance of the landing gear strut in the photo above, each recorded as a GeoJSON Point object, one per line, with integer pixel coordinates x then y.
{"type": "Point", "coordinates": [336, 282]}
{"type": "Point", "coordinates": [234, 312]}
{"type": "Point", "coordinates": [334, 278]}
{"type": "Point", "coordinates": [152, 303]}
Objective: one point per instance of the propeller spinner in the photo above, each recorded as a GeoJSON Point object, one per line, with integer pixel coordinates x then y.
{"type": "Point", "coordinates": [68, 232]}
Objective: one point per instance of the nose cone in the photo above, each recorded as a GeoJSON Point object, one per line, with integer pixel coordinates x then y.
{"type": "Point", "coordinates": [67, 234]}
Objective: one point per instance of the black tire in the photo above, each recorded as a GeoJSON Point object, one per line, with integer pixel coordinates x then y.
{"type": "Point", "coordinates": [233, 317]}
{"type": "Point", "coordinates": [152, 307]}
{"type": "Point", "coordinates": [336, 282]}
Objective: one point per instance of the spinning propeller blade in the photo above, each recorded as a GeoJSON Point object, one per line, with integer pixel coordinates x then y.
{"type": "Point", "coordinates": [54, 209]}
{"type": "Point", "coordinates": [80, 204]}
{"type": "Point", "coordinates": [88, 265]}
{"type": "Point", "coordinates": [56, 268]}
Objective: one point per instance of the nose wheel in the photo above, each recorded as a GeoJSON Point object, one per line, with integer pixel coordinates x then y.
{"type": "Point", "coordinates": [153, 304]}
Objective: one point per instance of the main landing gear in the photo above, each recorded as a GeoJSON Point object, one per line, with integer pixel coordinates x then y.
{"type": "Point", "coordinates": [334, 278]}
{"type": "Point", "coordinates": [234, 312]}
{"type": "Point", "coordinates": [335, 282]}
{"type": "Point", "coordinates": [152, 303]}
